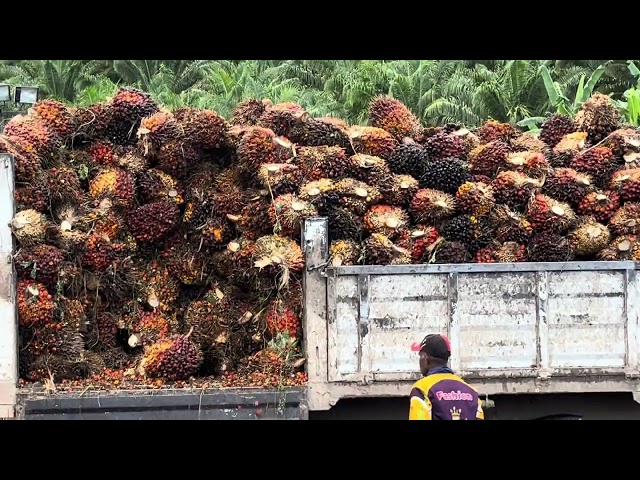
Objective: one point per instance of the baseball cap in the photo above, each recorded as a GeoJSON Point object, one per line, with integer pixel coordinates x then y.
{"type": "Point", "coordinates": [435, 345]}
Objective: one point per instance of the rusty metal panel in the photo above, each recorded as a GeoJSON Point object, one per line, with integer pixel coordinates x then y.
{"type": "Point", "coordinates": [587, 319]}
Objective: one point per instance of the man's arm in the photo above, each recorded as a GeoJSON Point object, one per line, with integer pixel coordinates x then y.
{"type": "Point", "coordinates": [420, 406]}
{"type": "Point", "coordinates": [480, 413]}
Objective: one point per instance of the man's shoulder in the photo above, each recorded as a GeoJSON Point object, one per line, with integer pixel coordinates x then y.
{"type": "Point", "coordinates": [425, 384]}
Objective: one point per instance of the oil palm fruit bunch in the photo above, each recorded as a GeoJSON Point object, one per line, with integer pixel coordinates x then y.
{"type": "Point", "coordinates": [211, 317]}
{"type": "Point", "coordinates": [598, 162]}
{"type": "Point", "coordinates": [549, 247]}
{"type": "Point", "coordinates": [380, 250]}
{"type": "Point", "coordinates": [588, 238]}
{"type": "Point", "coordinates": [514, 189]}
{"type": "Point", "coordinates": [102, 153]}
{"type": "Point", "coordinates": [510, 226]}
{"type": "Point", "coordinates": [568, 147]}
{"type": "Point", "coordinates": [61, 185]}
{"type": "Point", "coordinates": [33, 196]}
{"type": "Point", "coordinates": [277, 255]}
{"type": "Point", "coordinates": [447, 252]}
{"type": "Point", "coordinates": [158, 129]}
{"type": "Point", "coordinates": [468, 230]}
{"type": "Point", "coordinates": [56, 116]}
{"type": "Point", "coordinates": [547, 214]}
{"type": "Point", "coordinates": [99, 253]}
{"type": "Point", "coordinates": [114, 184]}
{"type": "Point", "coordinates": [475, 198]}
{"type": "Point", "coordinates": [446, 175]}
{"type": "Point", "coordinates": [71, 313]}
{"type": "Point", "coordinates": [248, 111]}
{"type": "Point", "coordinates": [92, 122]}
{"type": "Point", "coordinates": [321, 193]}
{"type": "Point", "coordinates": [493, 130]}
{"type": "Point", "coordinates": [253, 220]}
{"type": "Point", "coordinates": [598, 117]}
{"type": "Point", "coordinates": [393, 116]}
{"type": "Point", "coordinates": [146, 328]}
{"type": "Point", "coordinates": [173, 358]}
{"type": "Point", "coordinates": [625, 144]}
{"type": "Point", "coordinates": [287, 212]}
{"type": "Point", "coordinates": [418, 241]}
{"type": "Point", "coordinates": [235, 260]}
{"type": "Point", "coordinates": [153, 221]}
{"type": "Point", "coordinates": [176, 158]}
{"type": "Point", "coordinates": [158, 286]}
{"type": "Point", "coordinates": [314, 132]}
{"type": "Point", "coordinates": [600, 204]}
{"type": "Point", "coordinates": [442, 145]}
{"type": "Point", "coordinates": [355, 195]}
{"type": "Point", "coordinates": [386, 220]}
{"type": "Point", "coordinates": [344, 252]}
{"type": "Point", "coordinates": [529, 143]}
{"type": "Point", "coordinates": [216, 232]}
{"type": "Point", "coordinates": [281, 318]}
{"type": "Point", "coordinates": [408, 159]}
{"type": "Point", "coordinates": [186, 261]}
{"type": "Point", "coordinates": [372, 141]}
{"type": "Point", "coordinates": [282, 117]}
{"type": "Point", "coordinates": [280, 178]}
{"type": "Point", "coordinates": [554, 128]}
{"type": "Point", "coordinates": [370, 169]}
{"type": "Point", "coordinates": [203, 130]}
{"type": "Point", "coordinates": [29, 227]}
{"type": "Point", "coordinates": [35, 303]}
{"type": "Point", "coordinates": [399, 190]}
{"type": "Point", "coordinates": [626, 220]}
{"type": "Point", "coordinates": [344, 224]}
{"type": "Point", "coordinates": [626, 247]}
{"type": "Point", "coordinates": [35, 133]}
{"type": "Point", "coordinates": [126, 109]}
{"type": "Point", "coordinates": [26, 161]}
{"type": "Point", "coordinates": [432, 206]}
{"type": "Point", "coordinates": [322, 162]}
{"type": "Point", "coordinates": [507, 252]}
{"type": "Point", "coordinates": [261, 145]}
{"type": "Point", "coordinates": [41, 263]}
{"type": "Point", "coordinates": [626, 183]}
{"type": "Point", "coordinates": [156, 186]}
{"type": "Point", "coordinates": [532, 164]}
{"type": "Point", "coordinates": [567, 185]}
{"type": "Point", "coordinates": [488, 158]}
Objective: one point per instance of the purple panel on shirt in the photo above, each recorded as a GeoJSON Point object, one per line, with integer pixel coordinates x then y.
{"type": "Point", "coordinates": [453, 400]}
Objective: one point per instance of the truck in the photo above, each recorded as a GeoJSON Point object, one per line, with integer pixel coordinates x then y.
{"type": "Point", "coordinates": [552, 340]}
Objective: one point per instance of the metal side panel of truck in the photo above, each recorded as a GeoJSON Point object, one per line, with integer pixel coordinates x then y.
{"type": "Point", "coordinates": [514, 328]}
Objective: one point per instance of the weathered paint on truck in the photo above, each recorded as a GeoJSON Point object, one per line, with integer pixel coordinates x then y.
{"type": "Point", "coordinates": [514, 328]}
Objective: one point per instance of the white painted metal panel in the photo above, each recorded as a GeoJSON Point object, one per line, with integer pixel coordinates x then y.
{"type": "Point", "coordinates": [343, 329]}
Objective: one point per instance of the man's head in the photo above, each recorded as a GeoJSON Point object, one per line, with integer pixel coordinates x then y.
{"type": "Point", "coordinates": [435, 351]}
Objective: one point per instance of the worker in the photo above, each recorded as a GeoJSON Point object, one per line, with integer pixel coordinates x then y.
{"type": "Point", "coordinates": [440, 394]}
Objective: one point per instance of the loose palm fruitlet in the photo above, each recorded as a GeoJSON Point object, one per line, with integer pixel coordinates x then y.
{"type": "Point", "coordinates": [160, 246]}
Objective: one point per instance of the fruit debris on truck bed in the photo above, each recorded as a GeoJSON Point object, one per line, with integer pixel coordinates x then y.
{"type": "Point", "coordinates": [161, 248]}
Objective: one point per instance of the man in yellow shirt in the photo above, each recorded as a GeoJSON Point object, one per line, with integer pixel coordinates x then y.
{"type": "Point", "coordinates": [440, 394]}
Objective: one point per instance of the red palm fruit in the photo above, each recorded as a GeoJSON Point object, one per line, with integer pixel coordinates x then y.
{"type": "Point", "coordinates": [211, 317]}
{"type": "Point", "coordinates": [282, 117]}
{"type": "Point", "coordinates": [532, 164]}
{"type": "Point", "coordinates": [173, 358]}
{"type": "Point", "coordinates": [379, 250]}
{"type": "Point", "coordinates": [260, 145]}
{"type": "Point", "coordinates": [393, 116]}
{"type": "Point", "coordinates": [599, 204]}
{"type": "Point", "coordinates": [488, 158]}
{"type": "Point", "coordinates": [547, 214]}
{"type": "Point", "coordinates": [588, 238]}
{"type": "Point", "coordinates": [549, 247]}
{"type": "Point", "coordinates": [175, 158]}
{"type": "Point", "coordinates": [507, 252]}
{"type": "Point", "coordinates": [344, 252]}
{"type": "Point", "coordinates": [35, 133]}
{"type": "Point", "coordinates": [99, 253]}
{"type": "Point", "coordinates": [153, 221]}
{"type": "Point", "coordinates": [626, 220]}
{"type": "Point", "coordinates": [287, 212]}
{"type": "Point", "coordinates": [102, 153]}
{"type": "Point", "coordinates": [493, 130]}
{"type": "Point", "coordinates": [41, 263]}
{"type": "Point", "coordinates": [372, 141]}
{"type": "Point", "coordinates": [158, 286]}
{"type": "Point", "coordinates": [282, 319]}
{"type": "Point", "coordinates": [322, 162]}
{"type": "Point", "coordinates": [386, 220]}
{"type": "Point", "coordinates": [567, 185]}
{"type": "Point", "coordinates": [327, 131]}
{"type": "Point", "coordinates": [442, 145]}
{"type": "Point", "coordinates": [626, 183]}
{"type": "Point", "coordinates": [32, 196]}
{"type": "Point", "coordinates": [624, 142]}
{"type": "Point", "coordinates": [568, 147]}
{"type": "Point", "coordinates": [417, 241]}
{"type": "Point", "coordinates": [475, 198]}
{"type": "Point", "coordinates": [158, 129]}
{"type": "Point", "coordinates": [201, 129]}
{"type": "Point", "coordinates": [116, 185]}
{"type": "Point", "coordinates": [248, 112]}
{"type": "Point", "coordinates": [554, 128]}
{"type": "Point", "coordinates": [26, 161]}
{"type": "Point", "coordinates": [62, 185]}
{"type": "Point", "coordinates": [431, 206]}
{"type": "Point", "coordinates": [56, 116]}
{"type": "Point", "coordinates": [35, 304]}
{"type": "Point", "coordinates": [598, 162]}
{"type": "Point", "coordinates": [626, 247]}
{"type": "Point", "coordinates": [147, 328]}
{"type": "Point", "coordinates": [514, 189]}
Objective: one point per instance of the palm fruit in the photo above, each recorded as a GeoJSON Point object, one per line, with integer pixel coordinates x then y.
{"type": "Point", "coordinates": [257, 146]}
{"type": "Point", "coordinates": [156, 186]}
{"type": "Point", "coordinates": [598, 117]}
{"type": "Point", "coordinates": [442, 146]}
{"type": "Point", "coordinates": [201, 201]}
{"type": "Point", "coordinates": [469, 139]}
{"type": "Point", "coordinates": [216, 232]}
{"type": "Point", "coordinates": [132, 161]}
{"type": "Point", "coordinates": [126, 109]}
{"type": "Point", "coordinates": [393, 116]}
{"type": "Point", "coordinates": [379, 250]}
{"type": "Point", "coordinates": [355, 195]}
{"type": "Point", "coordinates": [366, 168]}
{"type": "Point", "coordinates": [322, 162]}
{"type": "Point", "coordinates": [626, 183]}
{"type": "Point", "coordinates": [153, 221]}
{"type": "Point", "coordinates": [92, 122]}
{"type": "Point", "coordinates": [344, 224]}
{"type": "Point", "coordinates": [282, 117]}
{"type": "Point", "coordinates": [532, 164]}
{"type": "Point", "coordinates": [280, 178]}
{"type": "Point", "coordinates": [372, 141]}
{"type": "Point", "coordinates": [567, 185]}
{"type": "Point", "coordinates": [588, 238]}
{"type": "Point", "coordinates": [418, 241]}
{"type": "Point", "coordinates": [599, 204]}
{"type": "Point", "coordinates": [173, 358]}
{"type": "Point", "coordinates": [253, 220]}
{"type": "Point", "coordinates": [159, 287]}
{"type": "Point", "coordinates": [547, 214]}
{"type": "Point", "coordinates": [83, 164]}
{"type": "Point", "coordinates": [61, 184]}
{"type": "Point", "coordinates": [248, 112]}
{"type": "Point", "coordinates": [386, 220]}
{"type": "Point", "coordinates": [211, 317]}
{"type": "Point", "coordinates": [450, 252]}
{"type": "Point", "coordinates": [529, 143]}
{"type": "Point", "coordinates": [102, 153]}
{"type": "Point", "coordinates": [466, 229]}
{"type": "Point", "coordinates": [510, 226]}
{"type": "Point", "coordinates": [399, 190]}
{"type": "Point", "coordinates": [35, 304]}
{"type": "Point", "coordinates": [625, 144]}
{"type": "Point", "coordinates": [446, 175]}
{"type": "Point", "coordinates": [35, 133]}
{"type": "Point", "coordinates": [175, 158]}
{"type": "Point", "coordinates": [626, 247]}
{"type": "Point", "coordinates": [201, 129]}
{"type": "Point", "coordinates": [488, 158]}
{"type": "Point", "coordinates": [29, 227]}
{"type": "Point", "coordinates": [626, 220]}
{"type": "Point", "coordinates": [408, 159]}
{"type": "Point", "coordinates": [320, 193]}
{"type": "Point", "coordinates": [147, 328]}
{"type": "Point", "coordinates": [568, 147]}
{"type": "Point", "coordinates": [475, 198]}
{"type": "Point", "coordinates": [549, 247]}
{"type": "Point", "coordinates": [514, 189]}
{"type": "Point", "coordinates": [26, 161]}
{"type": "Point", "coordinates": [598, 162]}
{"type": "Point", "coordinates": [287, 212]}
{"type": "Point", "coordinates": [313, 132]}
{"type": "Point", "coordinates": [507, 252]}
{"type": "Point", "coordinates": [431, 206]}
{"type": "Point", "coordinates": [281, 318]}
{"type": "Point", "coordinates": [158, 129]}
{"type": "Point", "coordinates": [344, 252]}
{"type": "Point", "coordinates": [56, 116]}
{"type": "Point", "coordinates": [494, 130]}
{"type": "Point", "coordinates": [185, 261]}
{"type": "Point", "coordinates": [277, 255]}
{"type": "Point", "coordinates": [103, 331]}
{"type": "Point", "coordinates": [554, 128]}
{"type": "Point", "coordinates": [99, 253]}
{"type": "Point", "coordinates": [116, 185]}
{"type": "Point", "coordinates": [41, 263]}
{"type": "Point", "coordinates": [32, 196]}
{"type": "Point", "coordinates": [68, 234]}
{"type": "Point", "coordinates": [236, 258]}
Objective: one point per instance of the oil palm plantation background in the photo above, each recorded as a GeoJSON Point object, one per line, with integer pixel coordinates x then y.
{"type": "Point", "coordinates": [438, 91]}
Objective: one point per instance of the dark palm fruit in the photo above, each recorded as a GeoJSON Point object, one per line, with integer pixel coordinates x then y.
{"type": "Point", "coordinates": [175, 158]}
{"type": "Point", "coordinates": [41, 263]}
{"type": "Point", "coordinates": [366, 168]}
{"type": "Point", "coordinates": [549, 247]}
{"type": "Point", "coordinates": [475, 198]}
{"type": "Point", "coordinates": [216, 232]}
{"type": "Point", "coordinates": [61, 184]}
{"type": "Point", "coordinates": [399, 190]}
{"type": "Point", "coordinates": [567, 148]}
{"type": "Point", "coordinates": [257, 146]}
{"type": "Point", "coordinates": [344, 225]}
{"type": "Point", "coordinates": [451, 252]}
{"type": "Point", "coordinates": [186, 261]}
{"type": "Point", "coordinates": [31, 196]}
{"type": "Point", "coordinates": [493, 130]}
{"type": "Point", "coordinates": [201, 129]}
{"type": "Point", "coordinates": [626, 183]}
{"type": "Point", "coordinates": [393, 116]}
{"type": "Point", "coordinates": [322, 162]}
{"type": "Point", "coordinates": [567, 185]}
{"type": "Point", "coordinates": [626, 221]}
{"type": "Point", "coordinates": [468, 230]}
{"type": "Point", "coordinates": [599, 204]}
{"type": "Point", "coordinates": [282, 117]}
{"type": "Point", "coordinates": [446, 175]}
{"type": "Point", "coordinates": [155, 185]}
{"type": "Point", "coordinates": [174, 358]}
{"type": "Point", "coordinates": [514, 189]}
{"type": "Point", "coordinates": [158, 129]}
{"type": "Point", "coordinates": [625, 144]}
{"type": "Point", "coordinates": [598, 117]}
{"type": "Point", "coordinates": [372, 141]}
{"type": "Point", "coordinates": [589, 238]}
{"type": "Point", "coordinates": [555, 127]}
{"type": "Point", "coordinates": [153, 221]}
{"type": "Point", "coordinates": [280, 178]}
{"type": "Point", "coordinates": [547, 214]}
{"type": "Point", "coordinates": [598, 162]}
{"type": "Point", "coordinates": [408, 159]}
{"type": "Point", "coordinates": [441, 146]}
{"type": "Point", "coordinates": [248, 112]}
{"type": "Point", "coordinates": [507, 252]}
{"type": "Point", "coordinates": [126, 110]}
{"type": "Point", "coordinates": [315, 132]}
{"type": "Point", "coordinates": [510, 226]}
{"type": "Point", "coordinates": [356, 196]}
{"type": "Point", "coordinates": [287, 212]}
{"type": "Point", "coordinates": [431, 206]}
{"type": "Point", "coordinates": [344, 252]}
{"type": "Point", "coordinates": [379, 250]}
{"type": "Point", "coordinates": [488, 158]}
{"type": "Point", "coordinates": [419, 241]}
{"type": "Point", "coordinates": [626, 247]}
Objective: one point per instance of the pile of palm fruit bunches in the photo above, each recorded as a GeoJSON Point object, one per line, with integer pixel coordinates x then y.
{"type": "Point", "coordinates": [162, 248]}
